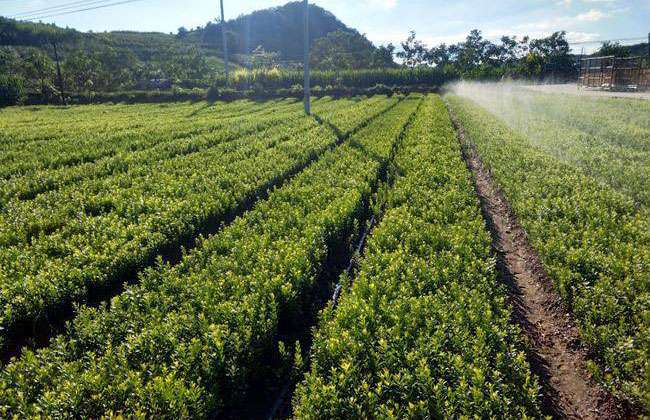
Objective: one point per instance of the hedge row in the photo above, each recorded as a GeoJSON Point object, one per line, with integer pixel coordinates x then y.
{"type": "Point", "coordinates": [594, 243]}
{"type": "Point", "coordinates": [64, 244]}
{"type": "Point", "coordinates": [424, 331]}
{"type": "Point", "coordinates": [186, 341]}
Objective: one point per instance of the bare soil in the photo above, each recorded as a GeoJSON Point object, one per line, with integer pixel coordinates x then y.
{"type": "Point", "coordinates": [555, 353]}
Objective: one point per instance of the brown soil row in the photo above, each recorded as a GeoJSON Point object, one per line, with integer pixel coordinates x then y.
{"type": "Point", "coordinates": [555, 353]}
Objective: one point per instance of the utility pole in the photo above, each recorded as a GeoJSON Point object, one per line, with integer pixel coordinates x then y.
{"type": "Point", "coordinates": [224, 36]}
{"type": "Point", "coordinates": [306, 59]}
{"type": "Point", "coordinates": [58, 72]}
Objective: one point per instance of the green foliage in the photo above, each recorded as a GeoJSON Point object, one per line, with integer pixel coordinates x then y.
{"type": "Point", "coordinates": [262, 59]}
{"type": "Point", "coordinates": [187, 340]}
{"type": "Point", "coordinates": [96, 63]}
{"type": "Point", "coordinates": [613, 48]}
{"type": "Point", "coordinates": [103, 181]}
{"type": "Point", "coordinates": [271, 80]}
{"type": "Point", "coordinates": [593, 241]}
{"type": "Point", "coordinates": [102, 62]}
{"type": "Point", "coordinates": [605, 137]}
{"type": "Point", "coordinates": [13, 32]}
{"type": "Point", "coordinates": [414, 53]}
{"type": "Point", "coordinates": [342, 50]}
{"type": "Point", "coordinates": [424, 331]}
{"type": "Point", "coordinates": [478, 58]}
{"type": "Point", "coordinates": [11, 90]}
{"type": "Point", "coordinates": [277, 29]}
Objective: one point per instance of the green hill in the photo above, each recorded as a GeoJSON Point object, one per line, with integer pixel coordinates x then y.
{"type": "Point", "coordinates": [126, 60]}
{"type": "Point", "coordinates": [278, 29]}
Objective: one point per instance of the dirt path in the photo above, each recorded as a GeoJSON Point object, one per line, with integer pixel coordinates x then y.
{"type": "Point", "coordinates": [556, 356]}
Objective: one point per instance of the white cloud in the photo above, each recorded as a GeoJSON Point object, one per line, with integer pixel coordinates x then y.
{"type": "Point", "coordinates": [593, 15]}
{"type": "Point", "coordinates": [582, 36]}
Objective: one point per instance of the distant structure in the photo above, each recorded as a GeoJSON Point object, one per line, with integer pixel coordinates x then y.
{"type": "Point", "coordinates": [615, 73]}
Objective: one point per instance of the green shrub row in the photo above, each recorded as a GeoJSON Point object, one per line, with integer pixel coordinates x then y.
{"type": "Point", "coordinates": [186, 341]}
{"type": "Point", "coordinates": [29, 149]}
{"type": "Point", "coordinates": [274, 79]}
{"type": "Point", "coordinates": [55, 122]}
{"type": "Point", "coordinates": [424, 330]}
{"type": "Point", "coordinates": [593, 241]}
{"type": "Point", "coordinates": [217, 93]}
{"type": "Point", "coordinates": [606, 137]}
{"type": "Point", "coordinates": [143, 149]}
{"type": "Point", "coordinates": [128, 97]}
{"type": "Point", "coordinates": [60, 246]}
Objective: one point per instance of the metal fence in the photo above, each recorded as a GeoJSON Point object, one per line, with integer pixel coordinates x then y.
{"type": "Point", "coordinates": [615, 73]}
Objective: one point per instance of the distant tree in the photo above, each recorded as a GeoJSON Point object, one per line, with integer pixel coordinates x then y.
{"type": "Point", "coordinates": [554, 51]}
{"type": "Point", "coordinates": [82, 72]}
{"type": "Point", "coordinates": [11, 90]}
{"type": "Point", "coordinates": [613, 48]}
{"type": "Point", "coordinates": [383, 56]}
{"type": "Point", "coordinates": [530, 66]}
{"type": "Point", "coordinates": [118, 68]}
{"type": "Point", "coordinates": [477, 57]}
{"type": "Point", "coordinates": [342, 50]}
{"type": "Point", "coordinates": [439, 56]}
{"type": "Point", "coordinates": [414, 53]}
{"type": "Point", "coordinates": [553, 45]}
{"type": "Point", "coordinates": [182, 32]}
{"type": "Point", "coordinates": [10, 61]}
{"type": "Point", "coordinates": [39, 68]}
{"type": "Point", "coordinates": [180, 64]}
{"type": "Point", "coordinates": [210, 33]}
{"type": "Point", "coordinates": [474, 51]}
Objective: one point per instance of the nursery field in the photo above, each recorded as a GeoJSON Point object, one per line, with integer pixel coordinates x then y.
{"type": "Point", "coordinates": [245, 260]}
{"type": "Point", "coordinates": [576, 173]}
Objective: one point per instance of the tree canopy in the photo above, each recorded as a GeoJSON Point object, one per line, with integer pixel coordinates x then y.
{"type": "Point", "coordinates": [349, 50]}
{"type": "Point", "coordinates": [477, 57]}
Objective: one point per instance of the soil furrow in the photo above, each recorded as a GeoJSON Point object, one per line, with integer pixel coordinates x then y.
{"type": "Point", "coordinates": [342, 260]}
{"type": "Point", "coordinates": [555, 352]}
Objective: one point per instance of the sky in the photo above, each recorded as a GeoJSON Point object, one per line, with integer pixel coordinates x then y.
{"type": "Point", "coordinates": [384, 21]}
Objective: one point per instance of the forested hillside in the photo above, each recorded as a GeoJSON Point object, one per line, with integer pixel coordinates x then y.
{"type": "Point", "coordinates": [97, 62]}
{"type": "Point", "coordinates": [278, 29]}
{"type": "Point", "coordinates": [115, 61]}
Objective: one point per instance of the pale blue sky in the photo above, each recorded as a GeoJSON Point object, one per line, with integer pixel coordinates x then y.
{"type": "Point", "coordinates": [385, 21]}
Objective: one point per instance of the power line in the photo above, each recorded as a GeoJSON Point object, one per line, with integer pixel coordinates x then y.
{"type": "Point", "coordinates": [80, 10]}
{"type": "Point", "coordinates": [59, 8]}
{"type": "Point", "coordinates": [609, 40]}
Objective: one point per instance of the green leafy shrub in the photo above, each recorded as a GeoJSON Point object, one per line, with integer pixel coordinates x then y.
{"type": "Point", "coordinates": [424, 331]}
{"type": "Point", "coordinates": [594, 243]}
{"type": "Point", "coordinates": [186, 340]}
{"type": "Point", "coordinates": [12, 90]}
